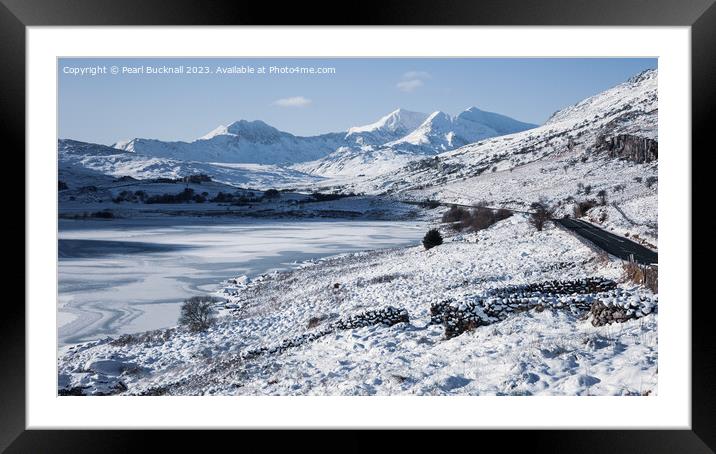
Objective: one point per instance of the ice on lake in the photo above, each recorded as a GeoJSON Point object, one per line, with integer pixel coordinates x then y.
{"type": "Point", "coordinates": [124, 276]}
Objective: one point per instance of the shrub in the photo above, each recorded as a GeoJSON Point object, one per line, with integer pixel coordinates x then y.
{"type": "Point", "coordinates": [222, 197]}
{"type": "Point", "coordinates": [432, 239]}
{"type": "Point", "coordinates": [480, 218]}
{"type": "Point", "coordinates": [541, 214]}
{"type": "Point", "coordinates": [429, 204]}
{"type": "Point", "coordinates": [645, 275]}
{"type": "Point", "coordinates": [198, 178]}
{"type": "Point", "coordinates": [650, 181]}
{"type": "Point", "coordinates": [602, 194]}
{"type": "Point", "coordinates": [129, 196]}
{"type": "Point", "coordinates": [106, 214]}
{"type": "Point", "coordinates": [581, 208]}
{"type": "Point", "coordinates": [197, 313]}
{"type": "Point", "coordinates": [272, 194]}
{"type": "Point", "coordinates": [185, 196]}
{"type": "Point", "coordinates": [455, 214]}
{"type": "Point", "coordinates": [322, 197]}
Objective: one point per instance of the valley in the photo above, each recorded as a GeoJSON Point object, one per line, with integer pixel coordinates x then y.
{"type": "Point", "coordinates": [309, 251]}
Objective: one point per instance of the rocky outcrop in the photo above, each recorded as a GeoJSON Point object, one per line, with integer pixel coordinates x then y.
{"type": "Point", "coordinates": [629, 147]}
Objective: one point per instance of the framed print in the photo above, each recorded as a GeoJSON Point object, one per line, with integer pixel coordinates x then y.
{"type": "Point", "coordinates": [424, 218]}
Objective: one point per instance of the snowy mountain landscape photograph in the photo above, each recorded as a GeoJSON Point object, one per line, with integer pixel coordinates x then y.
{"type": "Point", "coordinates": [357, 226]}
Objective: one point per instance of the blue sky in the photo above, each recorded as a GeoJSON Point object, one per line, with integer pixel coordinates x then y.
{"type": "Point", "coordinates": [105, 108]}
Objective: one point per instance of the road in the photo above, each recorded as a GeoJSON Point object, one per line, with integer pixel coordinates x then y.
{"type": "Point", "coordinates": [613, 244]}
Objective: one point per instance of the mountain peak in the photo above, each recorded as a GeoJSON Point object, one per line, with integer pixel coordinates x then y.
{"type": "Point", "coordinates": [218, 131]}
{"type": "Point", "coordinates": [241, 127]}
{"type": "Point", "coordinates": [398, 121]}
{"type": "Point", "coordinates": [441, 131]}
{"type": "Point", "coordinates": [437, 117]}
{"type": "Point", "coordinates": [639, 86]}
{"type": "Point", "coordinates": [642, 76]}
{"type": "Point", "coordinates": [253, 125]}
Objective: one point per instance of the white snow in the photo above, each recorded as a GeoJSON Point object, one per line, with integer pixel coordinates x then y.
{"type": "Point", "coordinates": [441, 132]}
{"type": "Point", "coordinates": [395, 124]}
{"type": "Point", "coordinates": [269, 296]}
{"type": "Point", "coordinates": [552, 352]}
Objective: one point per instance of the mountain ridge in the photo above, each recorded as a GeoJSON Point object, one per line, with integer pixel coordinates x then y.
{"type": "Point", "coordinates": [255, 141]}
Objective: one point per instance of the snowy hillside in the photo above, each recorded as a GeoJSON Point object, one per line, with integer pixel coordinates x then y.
{"type": "Point", "coordinates": [78, 158]}
{"type": "Point", "coordinates": [308, 331]}
{"type": "Point", "coordinates": [607, 142]}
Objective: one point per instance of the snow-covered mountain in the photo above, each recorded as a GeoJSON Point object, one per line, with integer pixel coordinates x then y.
{"type": "Point", "coordinates": [391, 127]}
{"type": "Point", "coordinates": [388, 142]}
{"type": "Point", "coordinates": [441, 132]}
{"type": "Point", "coordinates": [68, 147]}
{"type": "Point", "coordinates": [403, 136]}
{"type": "Point", "coordinates": [629, 109]}
{"type": "Point", "coordinates": [231, 153]}
{"type": "Point", "coordinates": [241, 142]}
{"type": "Point", "coordinates": [82, 163]}
{"type": "Point", "coordinates": [389, 154]}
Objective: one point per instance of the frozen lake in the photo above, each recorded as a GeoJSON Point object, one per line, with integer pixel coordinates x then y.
{"type": "Point", "coordinates": [125, 276]}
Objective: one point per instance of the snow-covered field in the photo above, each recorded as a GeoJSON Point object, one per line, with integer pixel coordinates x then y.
{"type": "Point", "coordinates": [128, 275]}
{"type": "Point", "coordinates": [549, 352]}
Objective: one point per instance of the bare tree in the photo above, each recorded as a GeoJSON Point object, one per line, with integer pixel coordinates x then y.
{"type": "Point", "coordinates": [542, 212]}
{"type": "Point", "coordinates": [602, 197]}
{"type": "Point", "coordinates": [197, 312]}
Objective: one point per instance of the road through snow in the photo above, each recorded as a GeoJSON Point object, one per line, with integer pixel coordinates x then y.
{"type": "Point", "coordinates": [613, 244]}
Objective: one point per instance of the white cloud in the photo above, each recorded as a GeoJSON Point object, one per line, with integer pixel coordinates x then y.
{"type": "Point", "coordinates": [417, 75]}
{"type": "Point", "coordinates": [409, 85]}
{"type": "Point", "coordinates": [295, 101]}
{"type": "Point", "coordinates": [412, 80]}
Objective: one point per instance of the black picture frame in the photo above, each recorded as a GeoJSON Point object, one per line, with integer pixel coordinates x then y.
{"type": "Point", "coordinates": [700, 15]}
